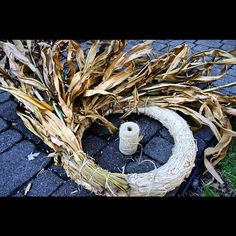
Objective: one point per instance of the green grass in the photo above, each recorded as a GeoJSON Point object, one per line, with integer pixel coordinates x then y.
{"type": "Point", "coordinates": [227, 169]}
{"type": "Point", "coordinates": [208, 191]}
{"type": "Point", "coordinates": [228, 166]}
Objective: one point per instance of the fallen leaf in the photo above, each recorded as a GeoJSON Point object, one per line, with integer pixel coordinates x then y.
{"type": "Point", "coordinates": [32, 156]}
{"type": "Point", "coordinates": [27, 189]}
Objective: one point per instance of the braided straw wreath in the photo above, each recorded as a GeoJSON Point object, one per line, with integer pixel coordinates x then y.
{"type": "Point", "coordinates": [169, 176]}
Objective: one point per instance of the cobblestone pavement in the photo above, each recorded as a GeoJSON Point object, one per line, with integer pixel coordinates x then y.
{"type": "Point", "coordinates": [17, 172]}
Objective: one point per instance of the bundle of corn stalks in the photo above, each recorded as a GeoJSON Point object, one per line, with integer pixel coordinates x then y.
{"type": "Point", "coordinates": [62, 90]}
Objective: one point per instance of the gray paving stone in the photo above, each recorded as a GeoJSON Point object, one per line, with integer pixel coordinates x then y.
{"type": "Point", "coordinates": [173, 192]}
{"type": "Point", "coordinates": [102, 131]}
{"type": "Point", "coordinates": [8, 110]}
{"type": "Point", "coordinates": [21, 191]}
{"type": "Point", "coordinates": [231, 42]}
{"type": "Point", "coordinates": [92, 144]}
{"type": "Point", "coordinates": [148, 127]}
{"type": "Point", "coordinates": [3, 124]}
{"type": "Point", "coordinates": [201, 145]}
{"type": "Point", "coordinates": [184, 40]}
{"type": "Point", "coordinates": [159, 149]}
{"type": "Point", "coordinates": [146, 164]}
{"type": "Point", "coordinates": [8, 138]}
{"type": "Point", "coordinates": [132, 43]}
{"type": "Point", "coordinates": [225, 80]}
{"type": "Point", "coordinates": [107, 159]}
{"type": "Point", "coordinates": [164, 41]}
{"type": "Point", "coordinates": [204, 133]}
{"type": "Point", "coordinates": [232, 72]}
{"type": "Point", "coordinates": [227, 47]}
{"type": "Point", "coordinates": [195, 184]}
{"type": "Point", "coordinates": [186, 118]}
{"type": "Point", "coordinates": [157, 47]}
{"type": "Point", "coordinates": [216, 70]}
{"type": "Point", "coordinates": [59, 170]}
{"type": "Point", "coordinates": [190, 41]}
{"type": "Point", "coordinates": [45, 184]}
{"type": "Point", "coordinates": [191, 45]}
{"type": "Point", "coordinates": [4, 97]}
{"type": "Point", "coordinates": [202, 85]}
{"type": "Point", "coordinates": [165, 50]}
{"type": "Point", "coordinates": [199, 48]}
{"type": "Point", "coordinates": [19, 125]}
{"type": "Point", "coordinates": [176, 42]}
{"type": "Point", "coordinates": [111, 158]}
{"type": "Point", "coordinates": [233, 122]}
{"type": "Point", "coordinates": [86, 46]}
{"type": "Point", "coordinates": [164, 133]}
{"type": "Point", "coordinates": [70, 189]}
{"type": "Point", "coordinates": [209, 43]}
{"type": "Point", "coordinates": [16, 169]}
{"type": "Point", "coordinates": [44, 147]}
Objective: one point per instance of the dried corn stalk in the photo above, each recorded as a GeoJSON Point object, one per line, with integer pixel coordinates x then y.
{"type": "Point", "coordinates": [63, 90]}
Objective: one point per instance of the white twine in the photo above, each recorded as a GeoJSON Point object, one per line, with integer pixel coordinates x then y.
{"type": "Point", "coordinates": [129, 138]}
{"type": "Point", "coordinates": [107, 185]}
{"type": "Point", "coordinates": [92, 175]}
{"type": "Point", "coordinates": [82, 166]}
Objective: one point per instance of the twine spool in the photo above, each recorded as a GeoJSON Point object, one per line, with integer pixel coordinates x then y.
{"type": "Point", "coordinates": [129, 138]}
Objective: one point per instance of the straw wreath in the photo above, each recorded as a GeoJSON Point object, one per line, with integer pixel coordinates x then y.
{"type": "Point", "coordinates": [62, 90]}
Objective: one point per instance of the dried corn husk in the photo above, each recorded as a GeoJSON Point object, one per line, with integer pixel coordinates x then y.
{"type": "Point", "coordinates": [58, 105]}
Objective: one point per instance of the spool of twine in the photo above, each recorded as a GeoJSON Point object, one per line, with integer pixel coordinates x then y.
{"type": "Point", "coordinates": [129, 138]}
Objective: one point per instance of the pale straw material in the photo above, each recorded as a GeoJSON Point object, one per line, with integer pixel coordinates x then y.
{"type": "Point", "coordinates": [128, 138]}
{"type": "Point", "coordinates": [157, 182]}
{"type": "Point", "coordinates": [169, 176]}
